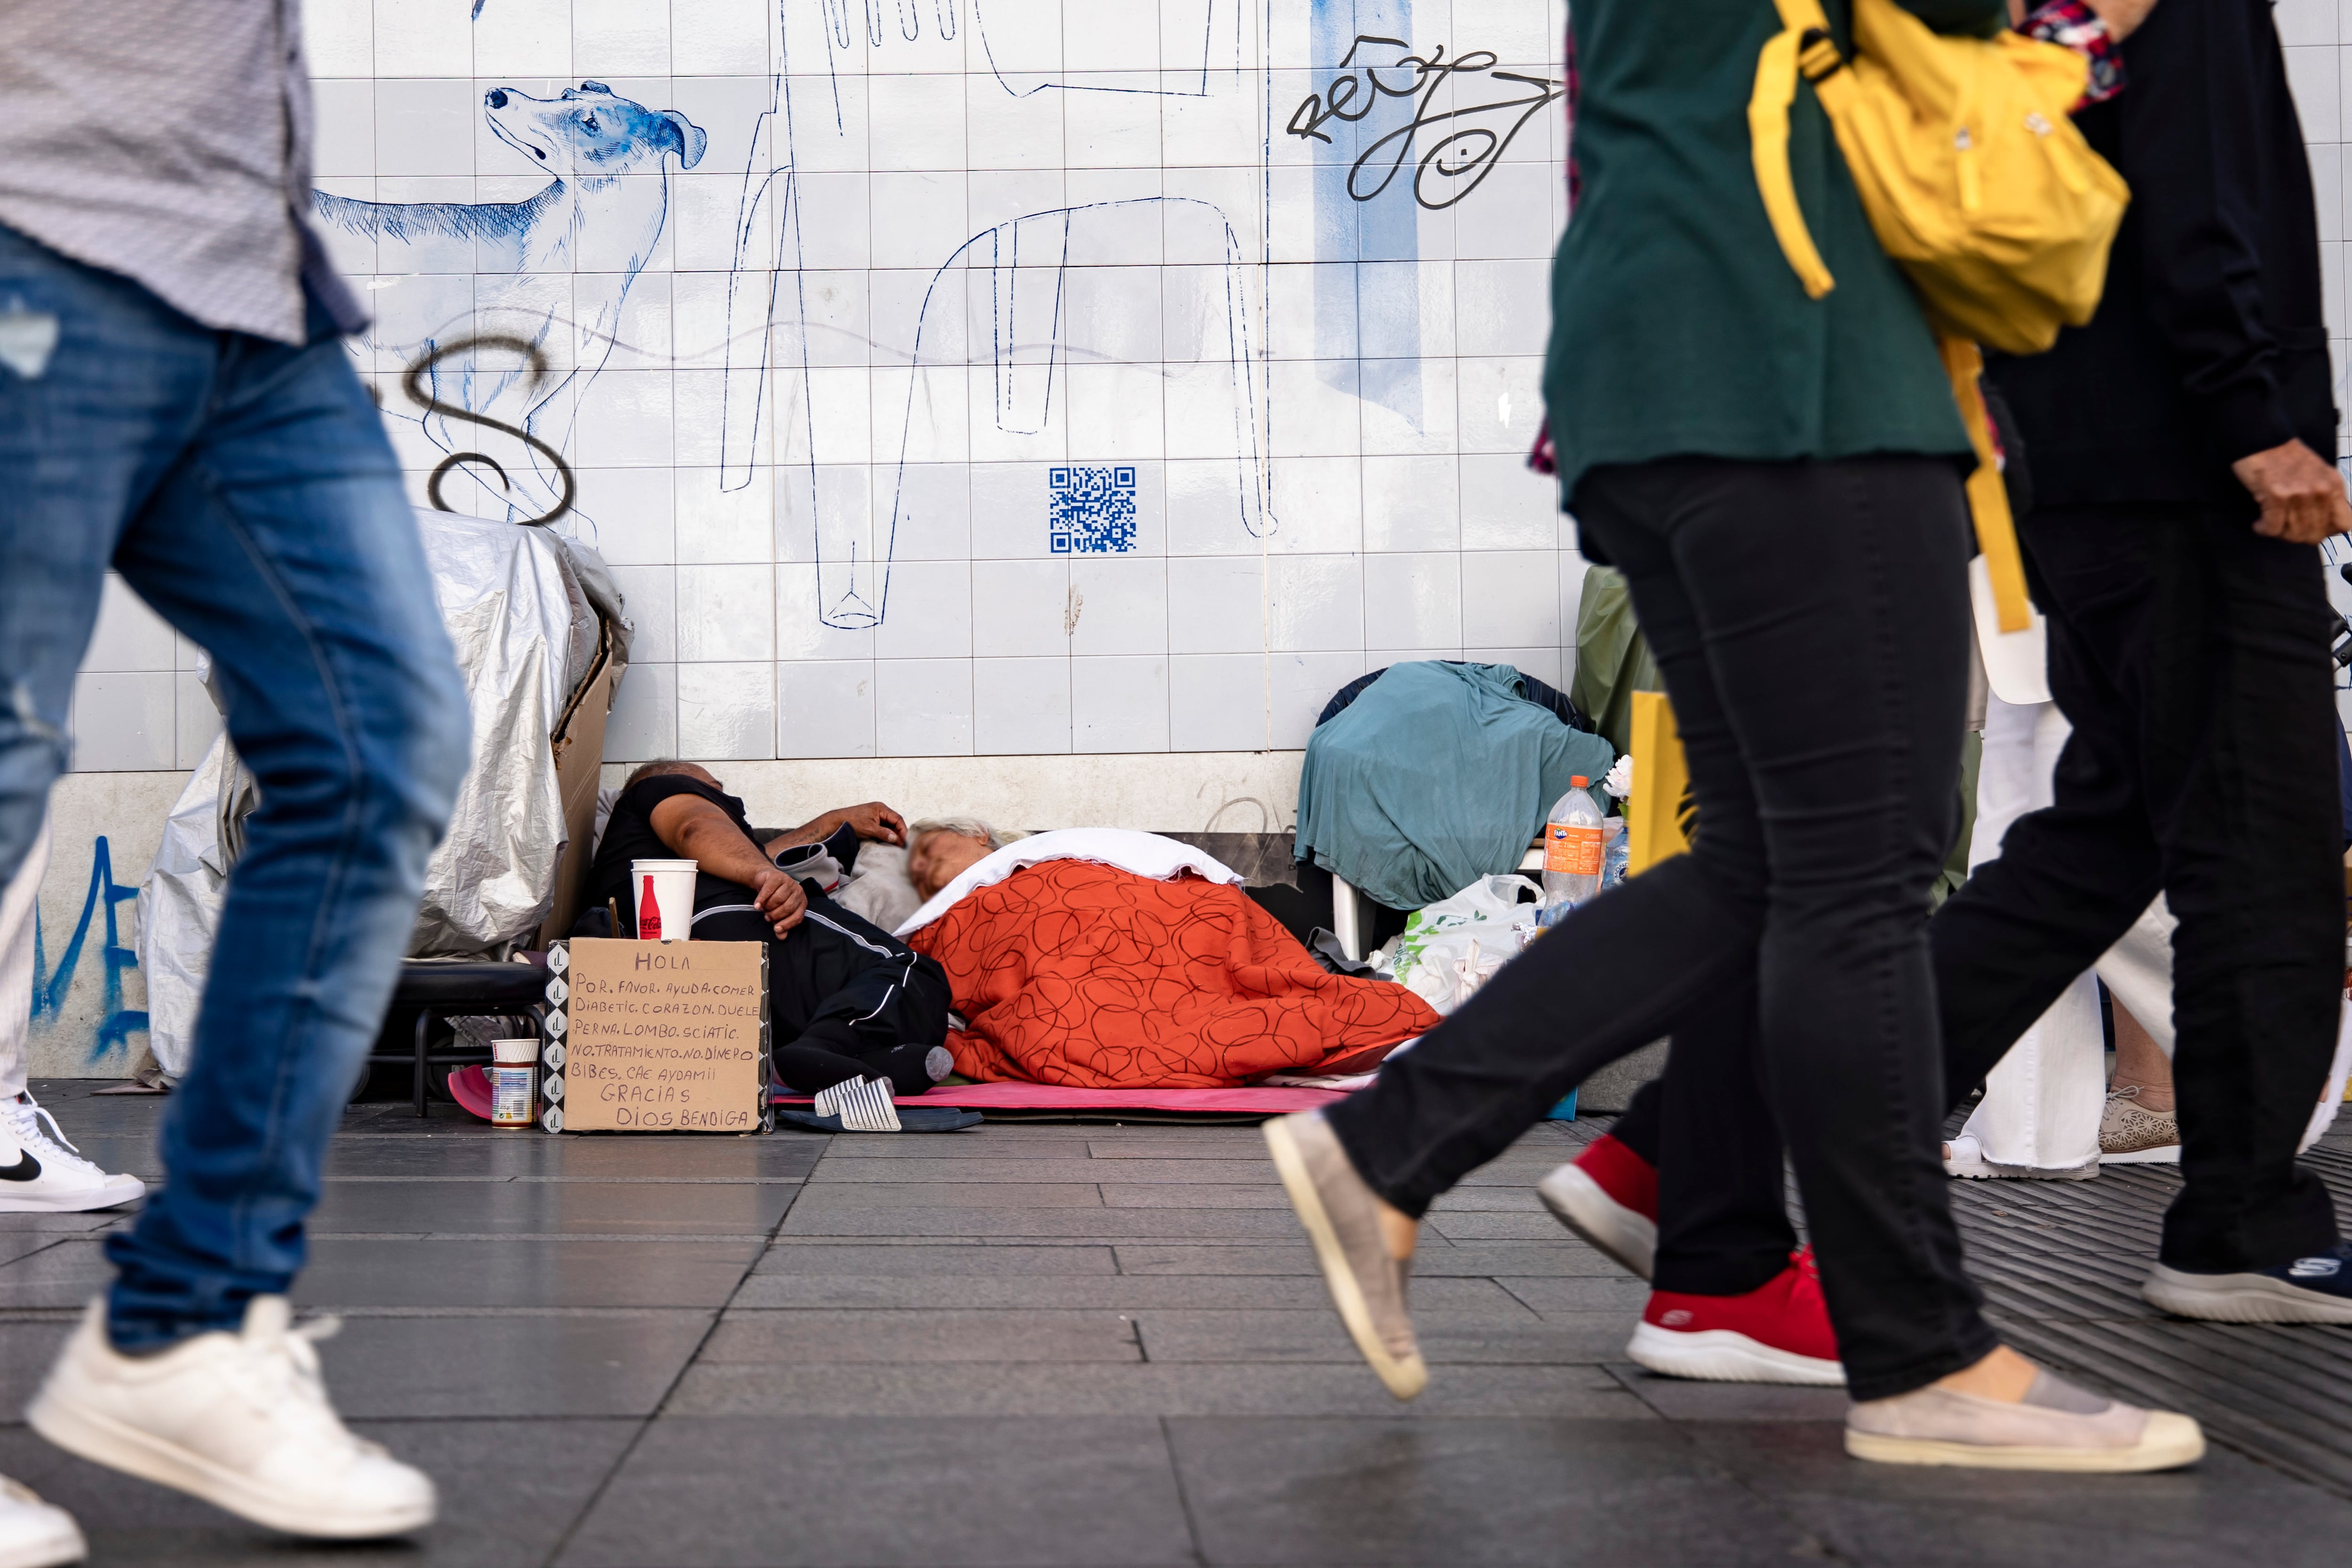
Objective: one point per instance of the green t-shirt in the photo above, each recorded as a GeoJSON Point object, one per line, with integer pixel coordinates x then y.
{"type": "Point", "coordinates": [1678, 327]}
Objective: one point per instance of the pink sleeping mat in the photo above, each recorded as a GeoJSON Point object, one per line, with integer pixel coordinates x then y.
{"type": "Point", "coordinates": [1057, 1103]}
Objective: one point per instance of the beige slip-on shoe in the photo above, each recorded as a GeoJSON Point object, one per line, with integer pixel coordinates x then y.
{"type": "Point", "coordinates": [2057, 1427]}
{"type": "Point", "coordinates": [1342, 1218]}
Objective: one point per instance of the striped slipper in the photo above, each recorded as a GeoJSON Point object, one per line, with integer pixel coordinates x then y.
{"type": "Point", "coordinates": [862, 1105]}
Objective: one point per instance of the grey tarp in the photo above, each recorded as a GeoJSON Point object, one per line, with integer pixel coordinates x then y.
{"type": "Point", "coordinates": [522, 606]}
{"type": "Point", "coordinates": [1439, 774]}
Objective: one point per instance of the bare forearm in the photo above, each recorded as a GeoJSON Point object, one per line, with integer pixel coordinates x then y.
{"type": "Point", "coordinates": [813, 831]}
{"type": "Point", "coordinates": [873, 821]}
{"type": "Point", "coordinates": [719, 848]}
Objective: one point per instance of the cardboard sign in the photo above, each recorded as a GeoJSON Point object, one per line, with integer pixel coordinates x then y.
{"type": "Point", "coordinates": [661, 1037]}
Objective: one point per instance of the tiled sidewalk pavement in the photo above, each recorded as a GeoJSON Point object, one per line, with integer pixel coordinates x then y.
{"type": "Point", "coordinates": [1059, 1344]}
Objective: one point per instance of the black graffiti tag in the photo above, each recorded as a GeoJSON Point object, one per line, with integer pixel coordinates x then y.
{"type": "Point", "coordinates": [413, 383]}
{"type": "Point", "coordinates": [1461, 153]}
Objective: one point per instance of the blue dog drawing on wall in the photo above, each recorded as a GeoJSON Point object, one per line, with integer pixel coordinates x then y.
{"type": "Point", "coordinates": [563, 258]}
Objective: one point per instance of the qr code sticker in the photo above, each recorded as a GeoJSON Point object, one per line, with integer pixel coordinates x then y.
{"type": "Point", "coordinates": [1093, 511]}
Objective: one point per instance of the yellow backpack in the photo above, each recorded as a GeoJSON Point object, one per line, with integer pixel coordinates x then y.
{"type": "Point", "coordinates": [1977, 184]}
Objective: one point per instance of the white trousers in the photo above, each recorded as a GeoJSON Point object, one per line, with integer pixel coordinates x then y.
{"type": "Point", "coordinates": [16, 903]}
{"type": "Point", "coordinates": [2042, 1104]}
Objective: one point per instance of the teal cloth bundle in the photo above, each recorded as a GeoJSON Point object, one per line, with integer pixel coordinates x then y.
{"type": "Point", "coordinates": [1437, 775]}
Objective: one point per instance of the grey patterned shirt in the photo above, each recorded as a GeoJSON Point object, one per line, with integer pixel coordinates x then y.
{"type": "Point", "coordinates": [169, 141]}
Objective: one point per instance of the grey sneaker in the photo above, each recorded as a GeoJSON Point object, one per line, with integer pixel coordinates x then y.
{"type": "Point", "coordinates": [2132, 1134]}
{"type": "Point", "coordinates": [2058, 1427]}
{"type": "Point", "coordinates": [1342, 1218]}
{"type": "Point", "coordinates": [2314, 1290]}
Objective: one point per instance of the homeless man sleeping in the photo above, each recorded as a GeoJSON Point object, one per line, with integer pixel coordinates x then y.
{"type": "Point", "coordinates": [1094, 957]}
{"type": "Point", "coordinates": [846, 998]}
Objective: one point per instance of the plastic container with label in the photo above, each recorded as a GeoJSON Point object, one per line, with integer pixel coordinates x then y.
{"type": "Point", "coordinates": [514, 1082]}
{"type": "Point", "coordinates": [1572, 852]}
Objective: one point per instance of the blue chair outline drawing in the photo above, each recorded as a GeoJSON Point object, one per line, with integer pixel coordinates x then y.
{"type": "Point", "coordinates": [852, 587]}
{"type": "Point", "coordinates": [1024, 352]}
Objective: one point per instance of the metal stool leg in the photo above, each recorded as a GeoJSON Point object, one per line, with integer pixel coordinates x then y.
{"type": "Point", "coordinates": [424, 1019]}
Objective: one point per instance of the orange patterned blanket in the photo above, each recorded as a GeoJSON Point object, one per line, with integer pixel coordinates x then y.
{"type": "Point", "coordinates": [1076, 973]}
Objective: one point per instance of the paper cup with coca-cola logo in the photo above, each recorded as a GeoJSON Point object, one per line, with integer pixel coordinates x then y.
{"type": "Point", "coordinates": [662, 893]}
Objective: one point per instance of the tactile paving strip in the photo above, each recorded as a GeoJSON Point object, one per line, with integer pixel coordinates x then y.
{"type": "Point", "coordinates": [2061, 1264]}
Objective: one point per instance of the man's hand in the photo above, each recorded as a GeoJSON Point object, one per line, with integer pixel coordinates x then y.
{"type": "Point", "coordinates": [876, 821]}
{"type": "Point", "coordinates": [781, 900]}
{"type": "Point", "coordinates": [873, 821]}
{"type": "Point", "coordinates": [2301, 494]}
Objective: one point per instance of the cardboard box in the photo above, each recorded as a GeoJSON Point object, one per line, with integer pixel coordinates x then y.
{"type": "Point", "coordinates": [658, 1037]}
{"type": "Point", "coordinates": [579, 745]}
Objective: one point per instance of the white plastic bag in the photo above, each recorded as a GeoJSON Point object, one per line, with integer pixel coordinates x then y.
{"type": "Point", "coordinates": [1456, 944]}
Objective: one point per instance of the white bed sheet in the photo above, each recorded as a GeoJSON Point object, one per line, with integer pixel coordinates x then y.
{"type": "Point", "coordinates": [1145, 854]}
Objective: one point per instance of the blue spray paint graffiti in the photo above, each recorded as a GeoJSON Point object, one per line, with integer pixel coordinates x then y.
{"type": "Point", "coordinates": [117, 1023]}
{"type": "Point", "coordinates": [1367, 308]}
{"type": "Point", "coordinates": [1386, 109]}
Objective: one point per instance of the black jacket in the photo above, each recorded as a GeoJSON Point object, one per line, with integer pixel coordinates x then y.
{"type": "Point", "coordinates": [2211, 342]}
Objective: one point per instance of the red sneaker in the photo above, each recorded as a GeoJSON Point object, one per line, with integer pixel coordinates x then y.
{"type": "Point", "coordinates": [1779, 1333]}
{"type": "Point", "coordinates": [1609, 1196]}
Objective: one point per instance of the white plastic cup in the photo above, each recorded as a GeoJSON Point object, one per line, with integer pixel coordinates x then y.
{"type": "Point", "coordinates": [662, 893]}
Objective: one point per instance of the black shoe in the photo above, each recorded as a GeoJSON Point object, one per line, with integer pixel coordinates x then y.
{"type": "Point", "coordinates": [2314, 1290]}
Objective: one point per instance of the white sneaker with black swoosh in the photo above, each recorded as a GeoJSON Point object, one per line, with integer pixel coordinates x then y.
{"type": "Point", "coordinates": [49, 1174]}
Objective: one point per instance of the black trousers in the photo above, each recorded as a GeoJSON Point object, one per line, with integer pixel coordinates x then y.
{"type": "Point", "coordinates": [845, 997]}
{"type": "Point", "coordinates": [2191, 656]}
{"type": "Point", "coordinates": [1811, 622]}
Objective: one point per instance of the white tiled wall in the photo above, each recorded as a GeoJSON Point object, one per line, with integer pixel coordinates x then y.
{"type": "Point", "coordinates": [137, 705]}
{"type": "Point", "coordinates": [1393, 534]}
{"type": "Point", "coordinates": [2317, 36]}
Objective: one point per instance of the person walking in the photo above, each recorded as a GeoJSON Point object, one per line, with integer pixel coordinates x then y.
{"type": "Point", "coordinates": [2180, 494]}
{"type": "Point", "coordinates": [1779, 480]}
{"type": "Point", "coordinates": [176, 400]}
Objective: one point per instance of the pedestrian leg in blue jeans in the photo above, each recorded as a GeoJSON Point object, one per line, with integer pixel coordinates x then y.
{"type": "Point", "coordinates": [246, 489]}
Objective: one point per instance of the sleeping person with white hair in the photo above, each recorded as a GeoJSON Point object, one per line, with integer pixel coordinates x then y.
{"type": "Point", "coordinates": [1098, 958]}
{"type": "Point", "coordinates": [941, 849]}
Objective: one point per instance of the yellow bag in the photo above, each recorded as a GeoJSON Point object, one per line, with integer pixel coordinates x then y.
{"type": "Point", "coordinates": [1977, 184]}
